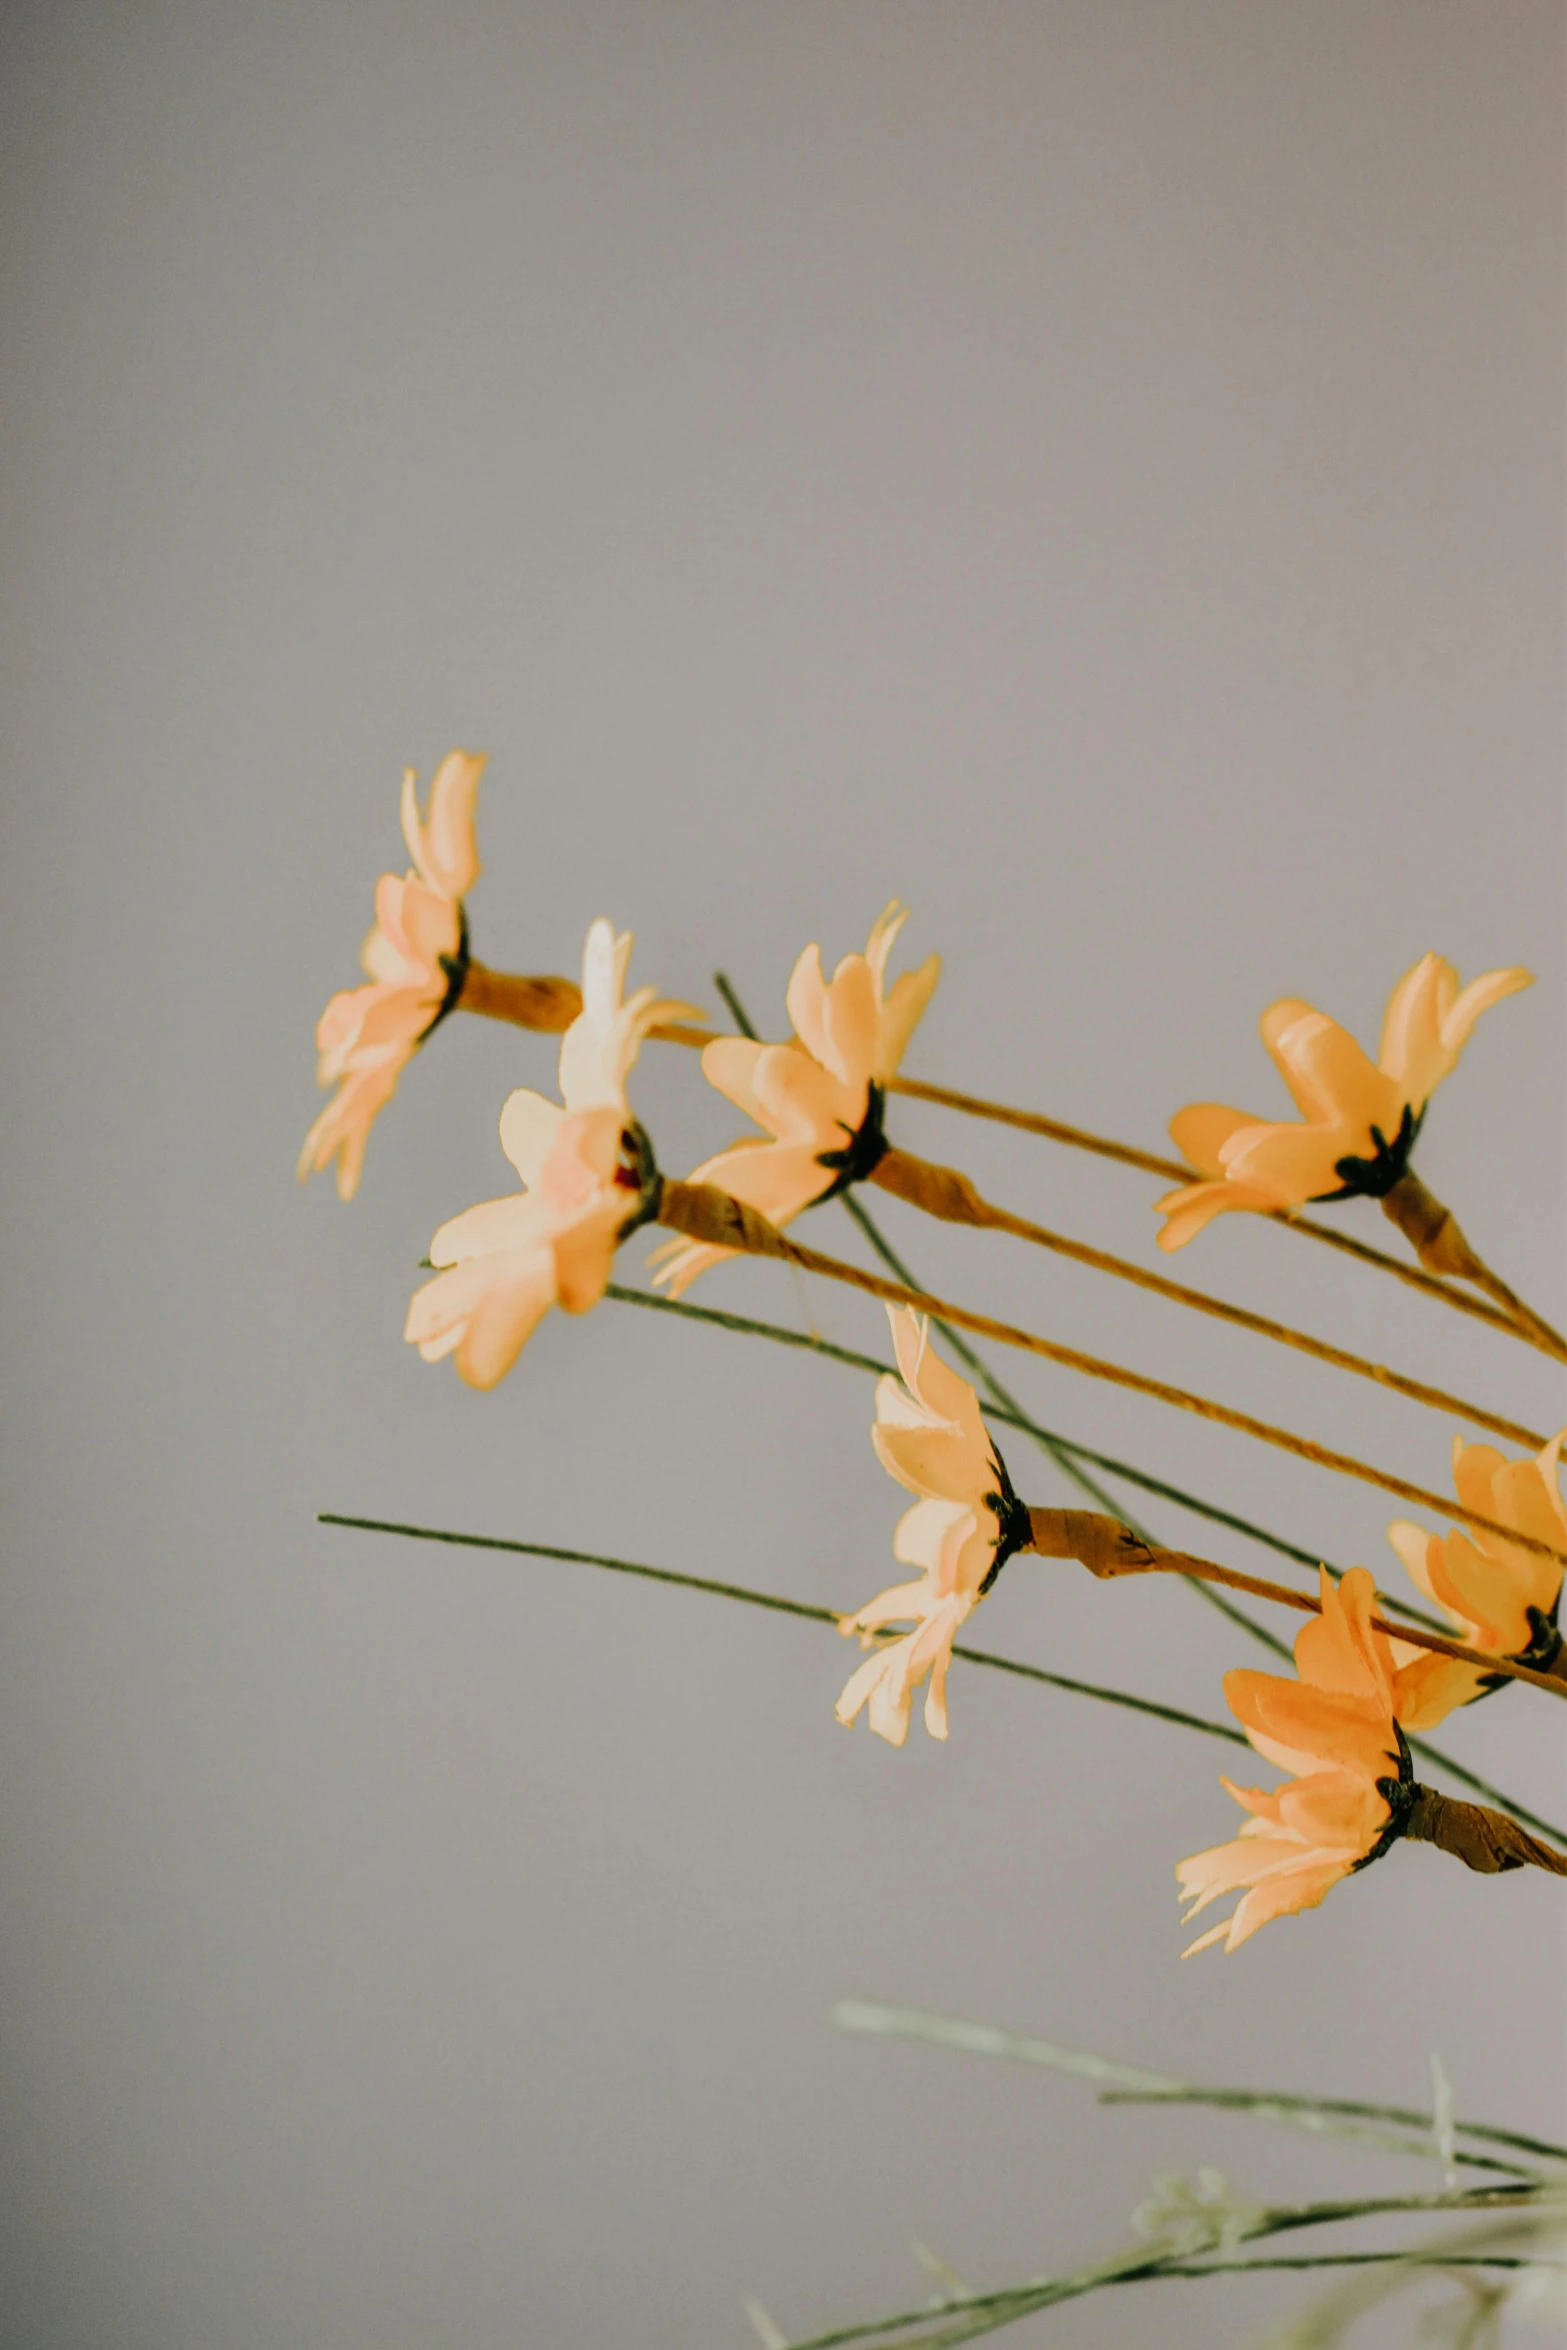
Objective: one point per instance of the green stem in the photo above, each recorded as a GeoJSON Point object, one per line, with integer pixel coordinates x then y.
{"type": "Point", "coordinates": [779, 1606]}
{"type": "Point", "coordinates": [1412, 2259]}
{"type": "Point", "coordinates": [1049, 1444]}
{"type": "Point", "coordinates": [1267, 2103]}
{"type": "Point", "coordinates": [1133, 2084]}
{"type": "Point", "coordinates": [1012, 1417]}
{"type": "Point", "coordinates": [984, 2313]}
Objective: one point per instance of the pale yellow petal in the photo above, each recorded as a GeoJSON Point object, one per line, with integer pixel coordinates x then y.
{"type": "Point", "coordinates": [1289, 1165]}
{"type": "Point", "coordinates": [495, 1228]}
{"type": "Point", "coordinates": [901, 1014]}
{"type": "Point", "coordinates": [806, 1000]}
{"type": "Point", "coordinates": [530, 1128]}
{"type": "Point", "coordinates": [451, 850]}
{"type": "Point", "coordinates": [849, 1024]}
{"type": "Point", "coordinates": [1202, 1130]}
{"type": "Point", "coordinates": [1325, 1069]}
{"type": "Point", "coordinates": [729, 1064]}
{"type": "Point", "coordinates": [1190, 1209]}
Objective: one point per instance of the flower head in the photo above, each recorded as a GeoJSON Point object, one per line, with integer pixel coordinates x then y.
{"type": "Point", "coordinates": [1498, 1597]}
{"type": "Point", "coordinates": [1334, 1727]}
{"type": "Point", "coordinates": [962, 1529]}
{"type": "Point", "coordinates": [1360, 1121]}
{"type": "Point", "coordinates": [416, 955]}
{"type": "Point", "coordinates": [588, 1181]}
{"type": "Point", "coordinates": [819, 1096]}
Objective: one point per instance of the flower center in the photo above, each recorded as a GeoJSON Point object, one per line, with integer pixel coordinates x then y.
{"type": "Point", "coordinates": [456, 968]}
{"type": "Point", "coordinates": [1374, 1177]}
{"type": "Point", "coordinates": [1016, 1527]}
{"type": "Point", "coordinates": [864, 1151]}
{"type": "Point", "coordinates": [638, 1172]}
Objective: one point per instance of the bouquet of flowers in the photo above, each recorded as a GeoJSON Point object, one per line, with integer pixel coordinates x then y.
{"type": "Point", "coordinates": [1470, 1612]}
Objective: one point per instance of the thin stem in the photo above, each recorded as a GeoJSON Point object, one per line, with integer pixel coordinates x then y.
{"type": "Point", "coordinates": [943, 1192]}
{"type": "Point", "coordinates": [1150, 2271]}
{"type": "Point", "coordinates": [1435, 1755]}
{"type": "Point", "coordinates": [1110, 1550]}
{"type": "Point", "coordinates": [1126, 2084]}
{"type": "Point", "coordinates": [1006, 1414]}
{"type": "Point", "coordinates": [1414, 2258]}
{"type": "Point", "coordinates": [779, 1606]}
{"type": "Point", "coordinates": [551, 1003]}
{"type": "Point", "coordinates": [1079, 1138]}
{"type": "Point", "coordinates": [1066, 1458]}
{"type": "Point", "coordinates": [1434, 1233]}
{"type": "Point", "coordinates": [1267, 2104]}
{"type": "Point", "coordinates": [983, 2313]}
{"type": "Point", "coordinates": [701, 1212]}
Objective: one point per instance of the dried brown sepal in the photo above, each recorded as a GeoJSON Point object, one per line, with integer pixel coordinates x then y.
{"type": "Point", "coordinates": [547, 1004]}
{"type": "Point", "coordinates": [702, 1212]}
{"type": "Point", "coordinates": [1482, 1839]}
{"type": "Point", "coordinates": [1431, 1229]}
{"type": "Point", "coordinates": [937, 1191]}
{"type": "Point", "coordinates": [1437, 1238]}
{"type": "Point", "coordinates": [1098, 1543]}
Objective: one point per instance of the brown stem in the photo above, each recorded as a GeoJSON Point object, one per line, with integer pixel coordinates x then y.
{"type": "Point", "coordinates": [704, 1213]}
{"type": "Point", "coordinates": [549, 1005]}
{"type": "Point", "coordinates": [944, 1192]}
{"type": "Point", "coordinates": [1078, 1138]}
{"type": "Point", "coordinates": [1481, 1838]}
{"type": "Point", "coordinates": [1437, 1239]}
{"type": "Point", "coordinates": [1108, 1549]}
{"type": "Point", "coordinates": [541, 1004]}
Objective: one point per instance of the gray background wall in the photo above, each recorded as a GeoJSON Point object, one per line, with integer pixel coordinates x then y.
{"type": "Point", "coordinates": [1092, 469]}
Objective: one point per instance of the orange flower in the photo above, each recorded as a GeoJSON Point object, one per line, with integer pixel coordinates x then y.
{"type": "Point", "coordinates": [961, 1531]}
{"type": "Point", "coordinates": [1360, 1122]}
{"type": "Point", "coordinates": [416, 955]}
{"type": "Point", "coordinates": [1335, 1728]}
{"type": "Point", "coordinates": [1496, 1596]}
{"type": "Point", "coordinates": [820, 1097]}
{"type": "Point", "coordinates": [589, 1180]}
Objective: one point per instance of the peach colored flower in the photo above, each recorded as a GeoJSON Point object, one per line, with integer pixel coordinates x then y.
{"type": "Point", "coordinates": [820, 1096]}
{"type": "Point", "coordinates": [588, 1181]}
{"type": "Point", "coordinates": [961, 1531]}
{"type": "Point", "coordinates": [1335, 1729]}
{"type": "Point", "coordinates": [1497, 1597]}
{"type": "Point", "coordinates": [1360, 1122]}
{"type": "Point", "coordinates": [416, 955]}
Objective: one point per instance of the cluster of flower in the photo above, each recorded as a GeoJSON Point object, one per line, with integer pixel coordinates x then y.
{"type": "Point", "coordinates": [589, 1179]}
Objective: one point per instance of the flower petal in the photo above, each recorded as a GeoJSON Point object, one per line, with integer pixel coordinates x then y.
{"type": "Point", "coordinates": [530, 1129]}
{"type": "Point", "coordinates": [901, 1014]}
{"type": "Point", "coordinates": [1201, 1131]}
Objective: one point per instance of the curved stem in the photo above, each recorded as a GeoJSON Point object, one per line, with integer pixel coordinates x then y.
{"type": "Point", "coordinates": [984, 2313]}
{"type": "Point", "coordinates": [777, 1605]}
{"type": "Point", "coordinates": [1119, 2083]}
{"type": "Point", "coordinates": [944, 1193]}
